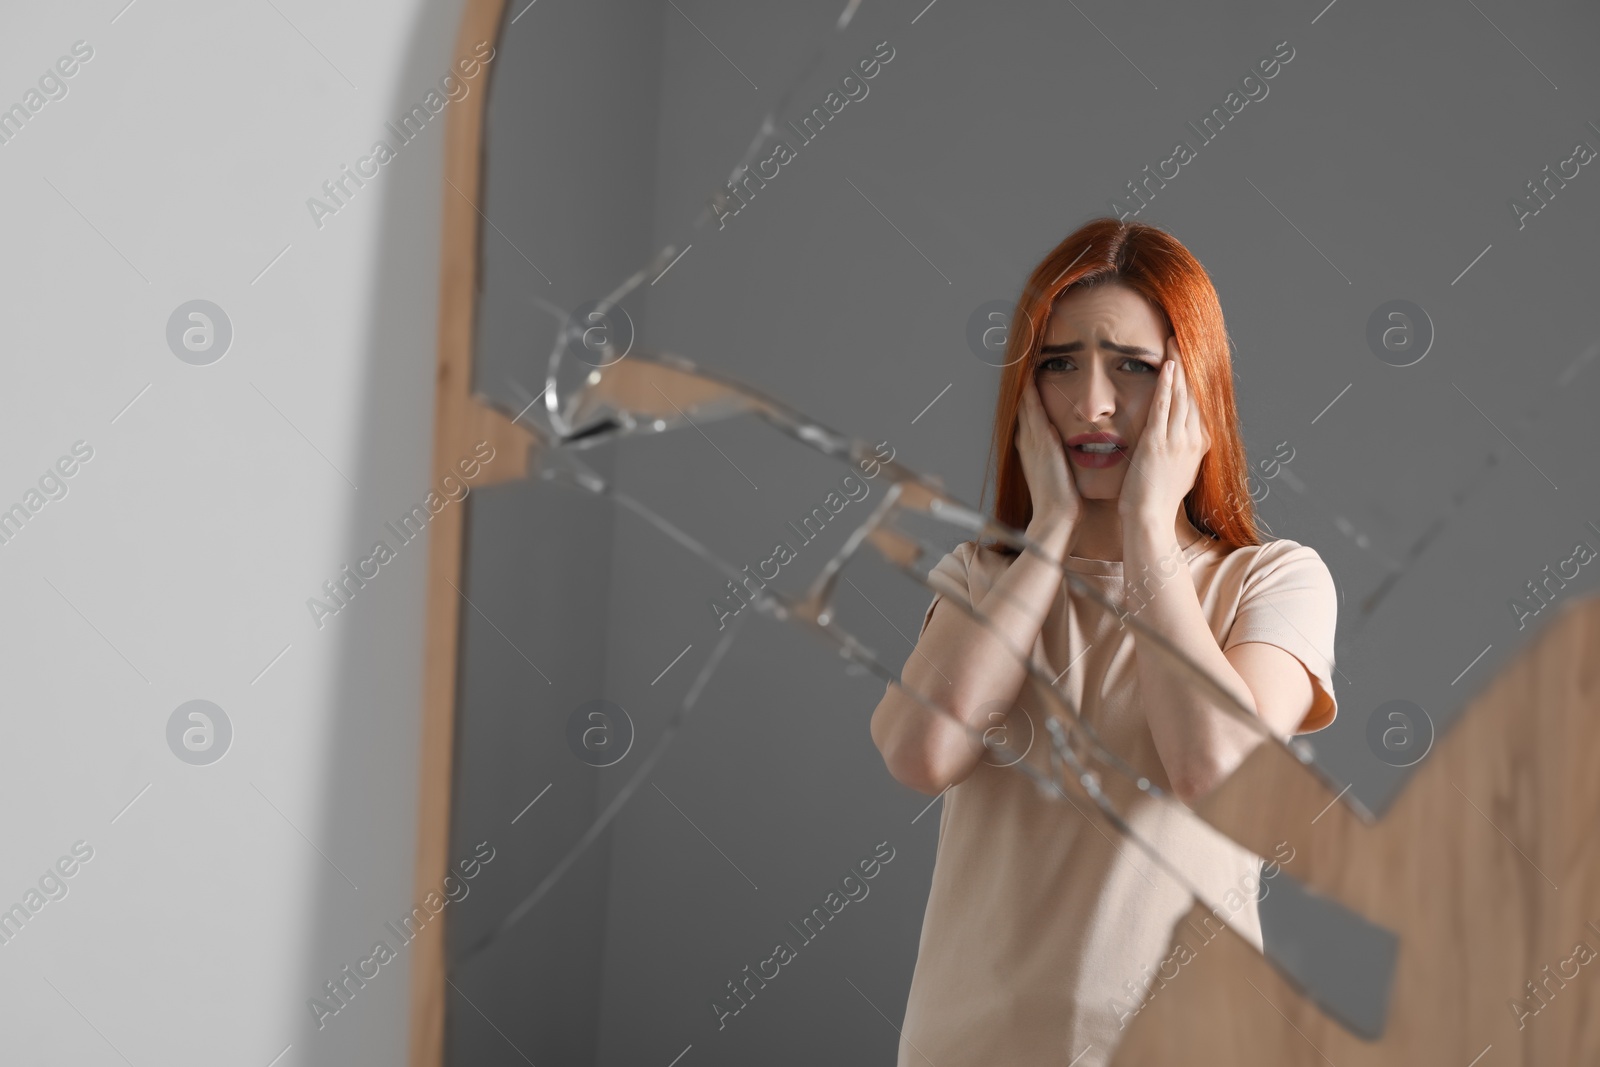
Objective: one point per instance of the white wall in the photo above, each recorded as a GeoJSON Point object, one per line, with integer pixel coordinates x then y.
{"type": "Point", "coordinates": [217, 500]}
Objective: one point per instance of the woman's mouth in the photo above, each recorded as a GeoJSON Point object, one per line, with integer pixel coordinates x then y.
{"type": "Point", "coordinates": [1100, 448]}
{"type": "Point", "coordinates": [1096, 455]}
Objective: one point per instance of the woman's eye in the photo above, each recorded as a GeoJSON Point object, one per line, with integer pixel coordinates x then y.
{"type": "Point", "coordinates": [1061, 363]}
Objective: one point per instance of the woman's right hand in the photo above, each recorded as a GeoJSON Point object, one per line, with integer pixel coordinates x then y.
{"type": "Point", "coordinates": [1056, 503]}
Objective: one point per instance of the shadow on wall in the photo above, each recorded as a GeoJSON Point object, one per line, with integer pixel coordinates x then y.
{"type": "Point", "coordinates": [369, 794]}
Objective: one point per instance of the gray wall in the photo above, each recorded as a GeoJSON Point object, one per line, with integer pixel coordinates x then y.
{"type": "Point", "coordinates": [1378, 167]}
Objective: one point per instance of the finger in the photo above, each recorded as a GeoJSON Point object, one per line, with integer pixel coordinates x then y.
{"type": "Point", "coordinates": [1197, 429]}
{"type": "Point", "coordinates": [1190, 409]}
{"type": "Point", "coordinates": [1180, 398]}
{"type": "Point", "coordinates": [1162, 412]}
{"type": "Point", "coordinates": [1193, 419]}
{"type": "Point", "coordinates": [1036, 415]}
{"type": "Point", "coordinates": [1030, 394]}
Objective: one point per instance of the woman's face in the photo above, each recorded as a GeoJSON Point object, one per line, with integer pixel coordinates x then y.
{"type": "Point", "coordinates": [1096, 371]}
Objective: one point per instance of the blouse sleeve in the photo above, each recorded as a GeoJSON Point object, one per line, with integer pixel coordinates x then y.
{"type": "Point", "coordinates": [953, 568]}
{"type": "Point", "coordinates": [1289, 600]}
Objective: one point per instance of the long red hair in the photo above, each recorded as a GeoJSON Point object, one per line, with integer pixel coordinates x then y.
{"type": "Point", "coordinates": [1154, 264]}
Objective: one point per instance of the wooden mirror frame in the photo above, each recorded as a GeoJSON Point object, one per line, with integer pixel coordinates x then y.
{"type": "Point", "coordinates": [459, 421]}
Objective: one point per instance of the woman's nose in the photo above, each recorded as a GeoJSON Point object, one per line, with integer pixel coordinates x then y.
{"type": "Point", "coordinates": [1099, 395]}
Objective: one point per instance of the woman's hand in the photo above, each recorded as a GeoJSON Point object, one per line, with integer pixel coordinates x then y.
{"type": "Point", "coordinates": [1056, 503]}
{"type": "Point", "coordinates": [1162, 468]}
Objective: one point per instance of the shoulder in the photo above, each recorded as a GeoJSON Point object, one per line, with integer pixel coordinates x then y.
{"type": "Point", "coordinates": [1283, 594]}
{"type": "Point", "coordinates": [1281, 555]}
{"type": "Point", "coordinates": [1282, 571]}
{"type": "Point", "coordinates": [970, 557]}
{"type": "Point", "coordinates": [990, 559]}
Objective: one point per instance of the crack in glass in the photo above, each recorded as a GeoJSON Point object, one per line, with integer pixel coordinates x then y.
{"type": "Point", "coordinates": [652, 393]}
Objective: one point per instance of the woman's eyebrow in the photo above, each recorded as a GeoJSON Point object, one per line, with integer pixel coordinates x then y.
{"type": "Point", "coordinates": [1073, 347]}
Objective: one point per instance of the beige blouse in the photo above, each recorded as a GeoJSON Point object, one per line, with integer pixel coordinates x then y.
{"type": "Point", "coordinates": [1046, 930]}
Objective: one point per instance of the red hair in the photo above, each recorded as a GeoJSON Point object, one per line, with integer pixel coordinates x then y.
{"type": "Point", "coordinates": [1155, 265]}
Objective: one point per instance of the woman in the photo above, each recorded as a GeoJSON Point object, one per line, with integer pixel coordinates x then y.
{"type": "Point", "coordinates": [1119, 455]}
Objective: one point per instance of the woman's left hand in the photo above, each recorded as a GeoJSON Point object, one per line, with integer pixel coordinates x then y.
{"type": "Point", "coordinates": [1164, 463]}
